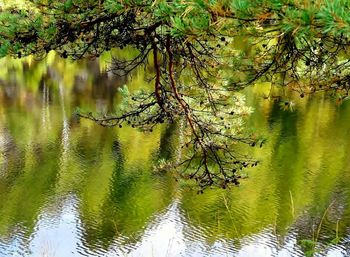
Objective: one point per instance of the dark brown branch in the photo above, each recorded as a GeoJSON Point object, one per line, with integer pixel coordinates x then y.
{"type": "Point", "coordinates": [157, 88]}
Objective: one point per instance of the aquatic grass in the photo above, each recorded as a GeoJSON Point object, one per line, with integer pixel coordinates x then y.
{"type": "Point", "coordinates": [292, 203]}
{"type": "Point", "coordinates": [230, 215]}
{"type": "Point", "coordinates": [309, 245]}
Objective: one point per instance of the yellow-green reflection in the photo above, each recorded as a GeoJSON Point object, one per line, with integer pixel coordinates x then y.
{"type": "Point", "coordinates": [48, 156]}
{"type": "Point", "coordinates": [47, 153]}
{"type": "Point", "coordinates": [302, 177]}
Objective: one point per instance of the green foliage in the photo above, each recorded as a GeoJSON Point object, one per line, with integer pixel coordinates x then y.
{"type": "Point", "coordinates": [181, 19]}
{"type": "Point", "coordinates": [308, 247]}
{"type": "Point", "coordinates": [113, 6]}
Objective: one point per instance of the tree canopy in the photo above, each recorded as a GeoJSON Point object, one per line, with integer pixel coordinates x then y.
{"type": "Point", "coordinates": [197, 66]}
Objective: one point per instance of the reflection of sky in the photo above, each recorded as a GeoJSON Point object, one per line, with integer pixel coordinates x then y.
{"type": "Point", "coordinates": [57, 235]}
{"type": "Point", "coordinates": [164, 237]}
{"type": "Point", "coordinates": [167, 235]}
{"type": "Point", "coordinates": [45, 108]}
{"type": "Point", "coordinates": [65, 130]}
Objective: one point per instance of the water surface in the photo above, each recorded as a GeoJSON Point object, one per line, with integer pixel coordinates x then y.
{"type": "Point", "coordinates": [69, 187]}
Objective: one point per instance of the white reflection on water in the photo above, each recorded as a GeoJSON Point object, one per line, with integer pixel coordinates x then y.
{"type": "Point", "coordinates": [164, 237]}
{"type": "Point", "coordinates": [57, 235]}
{"type": "Point", "coordinates": [65, 130]}
{"type": "Point", "coordinates": [168, 235]}
{"type": "Point", "coordinates": [45, 112]}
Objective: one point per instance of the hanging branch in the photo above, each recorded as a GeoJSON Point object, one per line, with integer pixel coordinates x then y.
{"type": "Point", "coordinates": [193, 47]}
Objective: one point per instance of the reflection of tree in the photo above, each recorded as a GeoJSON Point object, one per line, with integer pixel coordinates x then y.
{"type": "Point", "coordinates": [290, 166]}
{"type": "Point", "coordinates": [122, 196]}
{"type": "Point", "coordinates": [11, 163]}
{"type": "Point", "coordinates": [22, 202]}
{"type": "Point", "coordinates": [286, 194]}
{"type": "Point", "coordinates": [78, 171]}
{"type": "Point", "coordinates": [82, 80]}
{"type": "Point", "coordinates": [166, 145]}
{"type": "Point", "coordinates": [99, 227]}
{"type": "Point", "coordinates": [263, 201]}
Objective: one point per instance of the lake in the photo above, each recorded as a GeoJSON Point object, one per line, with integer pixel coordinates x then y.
{"type": "Point", "coordinates": [69, 187]}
